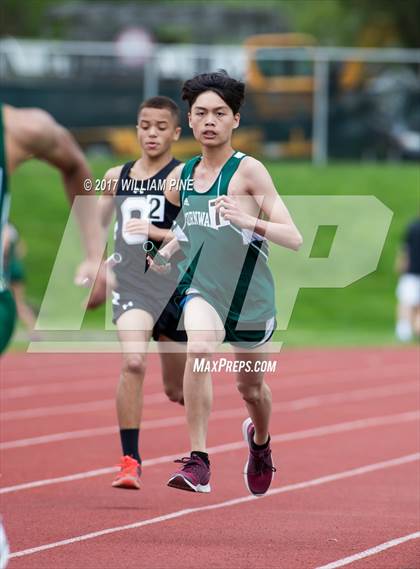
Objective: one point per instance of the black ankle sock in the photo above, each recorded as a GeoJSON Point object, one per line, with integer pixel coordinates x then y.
{"type": "Point", "coordinates": [260, 447]}
{"type": "Point", "coordinates": [203, 455]}
{"type": "Point", "coordinates": [130, 442]}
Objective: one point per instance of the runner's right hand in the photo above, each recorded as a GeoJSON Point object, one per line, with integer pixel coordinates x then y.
{"type": "Point", "coordinates": [162, 269]}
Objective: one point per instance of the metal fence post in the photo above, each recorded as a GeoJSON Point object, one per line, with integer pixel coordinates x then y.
{"type": "Point", "coordinates": [320, 111]}
{"type": "Point", "coordinates": [150, 77]}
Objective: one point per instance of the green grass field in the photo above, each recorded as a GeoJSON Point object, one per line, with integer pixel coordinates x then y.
{"type": "Point", "coordinates": [360, 314]}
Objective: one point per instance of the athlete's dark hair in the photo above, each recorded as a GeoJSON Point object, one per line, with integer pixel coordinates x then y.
{"type": "Point", "coordinates": [230, 90]}
{"type": "Point", "coordinates": [161, 102]}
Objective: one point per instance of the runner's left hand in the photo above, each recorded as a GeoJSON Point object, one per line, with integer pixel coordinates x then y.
{"type": "Point", "coordinates": [162, 269]}
{"type": "Point", "coordinates": [137, 227]}
{"type": "Point", "coordinates": [229, 209]}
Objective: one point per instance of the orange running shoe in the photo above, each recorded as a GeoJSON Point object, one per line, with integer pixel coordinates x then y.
{"type": "Point", "coordinates": [129, 475]}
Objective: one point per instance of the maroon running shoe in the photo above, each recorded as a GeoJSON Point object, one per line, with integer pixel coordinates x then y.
{"type": "Point", "coordinates": [259, 468]}
{"type": "Point", "coordinates": [193, 476]}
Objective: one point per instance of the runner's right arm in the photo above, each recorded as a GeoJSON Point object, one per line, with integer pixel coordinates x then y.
{"type": "Point", "coordinates": [106, 203]}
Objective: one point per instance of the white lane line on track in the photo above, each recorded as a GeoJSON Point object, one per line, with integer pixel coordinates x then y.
{"type": "Point", "coordinates": [54, 410]}
{"type": "Point", "coordinates": [293, 379]}
{"type": "Point", "coordinates": [72, 408]}
{"type": "Point", "coordinates": [370, 551]}
{"type": "Point", "coordinates": [282, 438]}
{"type": "Point", "coordinates": [311, 401]}
{"type": "Point", "coordinates": [51, 388]}
{"type": "Point", "coordinates": [293, 405]}
{"type": "Point", "coordinates": [228, 503]}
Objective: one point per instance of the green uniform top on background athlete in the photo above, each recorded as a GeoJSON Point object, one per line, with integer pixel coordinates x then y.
{"type": "Point", "coordinates": [225, 264]}
{"type": "Point", "coordinates": [4, 197]}
{"type": "Point", "coordinates": [13, 269]}
{"type": "Point", "coordinates": [7, 305]}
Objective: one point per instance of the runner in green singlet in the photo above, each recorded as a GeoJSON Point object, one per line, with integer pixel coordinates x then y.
{"type": "Point", "coordinates": [7, 304]}
{"type": "Point", "coordinates": [14, 250]}
{"type": "Point", "coordinates": [230, 211]}
{"type": "Point", "coordinates": [241, 255]}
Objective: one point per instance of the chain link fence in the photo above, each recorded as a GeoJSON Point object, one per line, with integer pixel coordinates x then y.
{"type": "Point", "coordinates": [302, 101]}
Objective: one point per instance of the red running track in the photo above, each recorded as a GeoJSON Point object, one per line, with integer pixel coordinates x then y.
{"type": "Point", "coordinates": [345, 441]}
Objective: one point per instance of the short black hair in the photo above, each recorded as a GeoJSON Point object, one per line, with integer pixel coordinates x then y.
{"type": "Point", "coordinates": [161, 102]}
{"type": "Point", "coordinates": [230, 90]}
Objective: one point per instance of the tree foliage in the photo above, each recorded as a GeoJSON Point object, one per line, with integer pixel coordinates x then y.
{"type": "Point", "coordinates": [369, 23]}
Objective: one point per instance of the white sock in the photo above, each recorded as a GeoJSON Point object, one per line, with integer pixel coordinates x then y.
{"type": "Point", "coordinates": [403, 331]}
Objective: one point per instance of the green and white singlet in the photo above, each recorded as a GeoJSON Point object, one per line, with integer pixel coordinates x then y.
{"type": "Point", "coordinates": [226, 265]}
{"type": "Point", "coordinates": [7, 304]}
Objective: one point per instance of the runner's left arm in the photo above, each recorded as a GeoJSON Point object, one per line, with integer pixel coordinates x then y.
{"type": "Point", "coordinates": [144, 227]}
{"type": "Point", "coordinates": [278, 226]}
